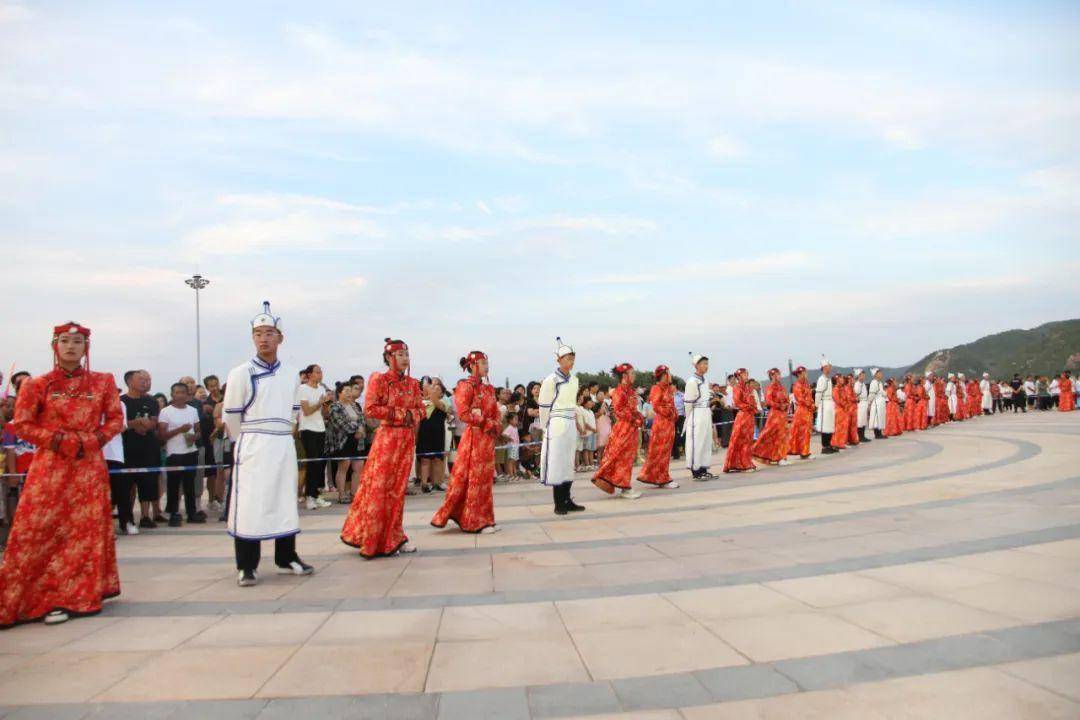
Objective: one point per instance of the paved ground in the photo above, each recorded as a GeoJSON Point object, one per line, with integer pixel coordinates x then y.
{"type": "Point", "coordinates": [935, 575]}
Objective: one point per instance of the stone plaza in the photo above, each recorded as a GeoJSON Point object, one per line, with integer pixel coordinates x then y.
{"type": "Point", "coordinates": [933, 575]}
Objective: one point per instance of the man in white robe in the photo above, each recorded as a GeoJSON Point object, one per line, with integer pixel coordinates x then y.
{"type": "Point", "coordinates": [931, 396]}
{"type": "Point", "coordinates": [260, 412]}
{"type": "Point", "coordinates": [825, 422]}
{"type": "Point", "coordinates": [558, 417]}
{"type": "Point", "coordinates": [876, 398]}
{"type": "Point", "coordinates": [987, 398]}
{"type": "Point", "coordinates": [951, 396]}
{"type": "Point", "coordinates": [698, 426]}
{"type": "Point", "coordinates": [862, 413]}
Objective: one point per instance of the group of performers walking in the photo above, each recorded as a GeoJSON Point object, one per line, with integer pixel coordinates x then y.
{"type": "Point", "coordinates": [61, 560]}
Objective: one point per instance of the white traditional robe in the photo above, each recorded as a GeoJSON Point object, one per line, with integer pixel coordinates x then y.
{"type": "Point", "coordinates": [698, 425]}
{"type": "Point", "coordinates": [260, 411]}
{"type": "Point", "coordinates": [931, 398]}
{"type": "Point", "coordinates": [558, 416]}
{"type": "Point", "coordinates": [876, 398]}
{"type": "Point", "coordinates": [987, 398]}
{"type": "Point", "coordinates": [863, 409]}
{"type": "Point", "coordinates": [825, 422]}
{"type": "Point", "coordinates": [950, 393]}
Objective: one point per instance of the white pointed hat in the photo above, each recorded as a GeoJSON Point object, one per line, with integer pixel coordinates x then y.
{"type": "Point", "coordinates": [562, 349]}
{"type": "Point", "coordinates": [825, 361]}
{"type": "Point", "coordinates": [265, 318]}
{"type": "Point", "coordinates": [695, 358]}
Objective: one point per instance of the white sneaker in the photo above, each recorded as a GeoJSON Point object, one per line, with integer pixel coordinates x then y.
{"type": "Point", "coordinates": [310, 504]}
{"type": "Point", "coordinates": [247, 578]}
{"type": "Point", "coordinates": [132, 529]}
{"type": "Point", "coordinates": [407, 548]}
{"type": "Point", "coordinates": [629, 494]}
{"type": "Point", "coordinates": [319, 502]}
{"type": "Point", "coordinates": [56, 617]}
{"type": "Point", "coordinates": [783, 462]}
{"type": "Point", "coordinates": [674, 484]}
{"type": "Point", "coordinates": [490, 529]}
{"type": "Point", "coordinates": [295, 568]}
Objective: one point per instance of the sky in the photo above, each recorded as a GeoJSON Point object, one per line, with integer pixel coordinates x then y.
{"type": "Point", "coordinates": [752, 181]}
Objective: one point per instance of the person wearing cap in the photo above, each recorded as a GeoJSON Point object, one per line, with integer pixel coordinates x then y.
{"type": "Point", "coordinates": [960, 390]}
{"type": "Point", "coordinates": [950, 396]}
{"type": "Point", "coordinates": [893, 421]}
{"type": "Point", "coordinates": [772, 444]}
{"type": "Point", "coordinates": [862, 398]}
{"type": "Point", "coordinates": [877, 401]}
{"type": "Point", "coordinates": [698, 426]}
{"type": "Point", "coordinates": [984, 391]}
{"type": "Point", "coordinates": [931, 400]}
{"type": "Point", "coordinates": [60, 559]}
{"type": "Point", "coordinates": [839, 438]}
{"type": "Point", "coordinates": [852, 409]}
{"type": "Point", "coordinates": [260, 410]}
{"type": "Point", "coordinates": [469, 502]}
{"type": "Point", "coordinates": [374, 524]}
{"type": "Point", "coordinates": [739, 451]}
{"type": "Point", "coordinates": [657, 468]}
{"type": "Point", "coordinates": [617, 466]}
{"type": "Point", "coordinates": [802, 421]}
{"type": "Point", "coordinates": [825, 422]}
{"type": "Point", "coordinates": [558, 416]}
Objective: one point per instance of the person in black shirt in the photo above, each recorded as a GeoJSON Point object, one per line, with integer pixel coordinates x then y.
{"type": "Point", "coordinates": [1019, 396]}
{"type": "Point", "coordinates": [141, 448]}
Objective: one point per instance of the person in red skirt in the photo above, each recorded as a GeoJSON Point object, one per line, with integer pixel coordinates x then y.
{"type": "Point", "coordinates": [802, 421]}
{"type": "Point", "coordinates": [852, 409]}
{"type": "Point", "coordinates": [843, 415]}
{"type": "Point", "coordinates": [740, 446]}
{"type": "Point", "coordinates": [469, 501]}
{"type": "Point", "coordinates": [374, 523]}
{"type": "Point", "coordinates": [613, 475]}
{"type": "Point", "coordinates": [657, 470]}
{"type": "Point", "coordinates": [60, 560]}
{"type": "Point", "coordinates": [893, 423]}
{"type": "Point", "coordinates": [772, 444]}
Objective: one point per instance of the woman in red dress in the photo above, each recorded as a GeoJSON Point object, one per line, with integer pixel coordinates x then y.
{"type": "Point", "coordinates": [908, 415]}
{"type": "Point", "coordinates": [802, 423]}
{"type": "Point", "coordinates": [921, 418]}
{"type": "Point", "coordinates": [974, 397]}
{"type": "Point", "coordinates": [772, 444]}
{"type": "Point", "coordinates": [61, 556]}
{"type": "Point", "coordinates": [622, 447]}
{"type": "Point", "coordinates": [374, 523]}
{"type": "Point", "coordinates": [843, 415]}
{"type": "Point", "coordinates": [469, 500]}
{"type": "Point", "coordinates": [739, 456]}
{"type": "Point", "coordinates": [657, 470]}
{"type": "Point", "coordinates": [853, 409]}
{"type": "Point", "coordinates": [941, 403]}
{"type": "Point", "coordinates": [893, 424]}
{"type": "Point", "coordinates": [1067, 396]}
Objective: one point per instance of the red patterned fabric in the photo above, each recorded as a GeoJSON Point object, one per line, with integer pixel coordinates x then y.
{"type": "Point", "coordinates": [843, 418]}
{"type": "Point", "coordinates": [961, 404]}
{"type": "Point", "coordinates": [772, 444]}
{"type": "Point", "coordinates": [61, 554]}
{"type": "Point", "coordinates": [802, 423]}
{"type": "Point", "coordinates": [657, 470]}
{"type": "Point", "coordinates": [1067, 398]}
{"type": "Point", "coordinates": [853, 413]}
{"type": "Point", "coordinates": [921, 418]}
{"type": "Point", "coordinates": [741, 445]}
{"type": "Point", "coordinates": [974, 398]}
{"type": "Point", "coordinates": [468, 500]}
{"type": "Point", "coordinates": [374, 523]}
{"type": "Point", "coordinates": [893, 423]}
{"type": "Point", "coordinates": [941, 403]}
{"type": "Point", "coordinates": [618, 463]}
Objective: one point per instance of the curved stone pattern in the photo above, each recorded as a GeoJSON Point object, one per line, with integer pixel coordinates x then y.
{"type": "Point", "coordinates": [932, 575]}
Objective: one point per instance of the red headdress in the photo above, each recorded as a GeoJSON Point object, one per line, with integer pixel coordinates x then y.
{"type": "Point", "coordinates": [622, 368]}
{"type": "Point", "coordinates": [800, 369]}
{"type": "Point", "coordinates": [471, 359]}
{"type": "Point", "coordinates": [774, 371]}
{"type": "Point", "coordinates": [660, 371]}
{"type": "Point", "coordinates": [70, 328]}
{"type": "Point", "coordinates": [389, 348]}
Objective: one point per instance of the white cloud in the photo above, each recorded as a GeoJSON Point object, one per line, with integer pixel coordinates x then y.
{"type": "Point", "coordinates": [723, 147]}
{"type": "Point", "coordinates": [482, 207]}
{"type": "Point", "coordinates": [789, 263]}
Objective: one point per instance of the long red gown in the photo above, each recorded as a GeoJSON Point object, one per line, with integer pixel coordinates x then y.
{"type": "Point", "coordinates": [623, 443]}
{"type": "Point", "coordinates": [909, 407]}
{"type": "Point", "coordinates": [772, 444]}
{"type": "Point", "coordinates": [941, 403]}
{"type": "Point", "coordinates": [961, 402]}
{"type": "Point", "coordinates": [974, 398]}
{"type": "Point", "coordinates": [853, 414]}
{"type": "Point", "coordinates": [374, 523]}
{"type": "Point", "coordinates": [893, 424]}
{"type": "Point", "coordinates": [1067, 398]}
{"type": "Point", "coordinates": [921, 418]}
{"type": "Point", "coordinates": [741, 445]}
{"type": "Point", "coordinates": [469, 501]}
{"type": "Point", "coordinates": [843, 418]}
{"type": "Point", "coordinates": [802, 422]}
{"type": "Point", "coordinates": [61, 554]}
{"type": "Point", "coordinates": [657, 469]}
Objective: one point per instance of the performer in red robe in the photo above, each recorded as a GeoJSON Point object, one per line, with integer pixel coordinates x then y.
{"type": "Point", "coordinates": [961, 398]}
{"type": "Point", "coordinates": [853, 409]}
{"type": "Point", "coordinates": [739, 456]}
{"type": "Point", "coordinates": [657, 469]}
{"type": "Point", "coordinates": [802, 422]}
{"type": "Point", "coordinates": [893, 423]}
{"type": "Point", "coordinates": [374, 523]}
{"type": "Point", "coordinates": [974, 398]}
{"type": "Point", "coordinates": [922, 420]}
{"type": "Point", "coordinates": [613, 475]}
{"type": "Point", "coordinates": [843, 413]}
{"type": "Point", "coordinates": [941, 403]}
{"type": "Point", "coordinates": [61, 555]}
{"type": "Point", "coordinates": [772, 443]}
{"type": "Point", "coordinates": [1067, 396]}
{"type": "Point", "coordinates": [910, 403]}
{"type": "Point", "coordinates": [469, 501]}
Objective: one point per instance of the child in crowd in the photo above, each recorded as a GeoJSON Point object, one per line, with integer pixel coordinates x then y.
{"type": "Point", "coordinates": [512, 440]}
{"type": "Point", "coordinates": [603, 429]}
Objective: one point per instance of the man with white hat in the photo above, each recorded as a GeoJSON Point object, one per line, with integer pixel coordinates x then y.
{"type": "Point", "coordinates": [930, 387]}
{"type": "Point", "coordinates": [987, 398]}
{"type": "Point", "coordinates": [260, 410]}
{"type": "Point", "coordinates": [558, 416]}
{"type": "Point", "coordinates": [877, 401]}
{"type": "Point", "coordinates": [950, 395]}
{"type": "Point", "coordinates": [698, 425]}
{"type": "Point", "coordinates": [826, 414]}
{"type": "Point", "coordinates": [862, 414]}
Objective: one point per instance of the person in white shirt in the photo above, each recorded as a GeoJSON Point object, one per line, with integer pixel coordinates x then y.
{"type": "Point", "coordinates": [877, 401]}
{"type": "Point", "coordinates": [825, 422]}
{"type": "Point", "coordinates": [315, 402]}
{"type": "Point", "coordinates": [698, 425]}
{"type": "Point", "coordinates": [178, 425]}
{"type": "Point", "coordinates": [120, 483]}
{"type": "Point", "coordinates": [862, 395]}
{"type": "Point", "coordinates": [558, 416]}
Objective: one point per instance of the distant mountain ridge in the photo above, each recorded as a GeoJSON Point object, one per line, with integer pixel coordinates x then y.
{"type": "Point", "coordinates": [1044, 350]}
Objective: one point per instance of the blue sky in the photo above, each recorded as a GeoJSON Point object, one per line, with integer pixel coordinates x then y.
{"type": "Point", "coordinates": [867, 180]}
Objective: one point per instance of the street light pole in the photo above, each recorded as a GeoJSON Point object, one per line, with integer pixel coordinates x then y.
{"type": "Point", "coordinates": [197, 282]}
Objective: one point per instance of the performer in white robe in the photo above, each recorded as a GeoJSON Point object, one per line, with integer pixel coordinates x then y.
{"type": "Point", "coordinates": [260, 412]}
{"type": "Point", "coordinates": [863, 408]}
{"type": "Point", "coordinates": [987, 398]}
{"type": "Point", "coordinates": [825, 422]}
{"type": "Point", "coordinates": [931, 396]}
{"type": "Point", "coordinates": [950, 393]}
{"type": "Point", "coordinates": [698, 425]}
{"type": "Point", "coordinates": [558, 416]}
{"type": "Point", "coordinates": [876, 399]}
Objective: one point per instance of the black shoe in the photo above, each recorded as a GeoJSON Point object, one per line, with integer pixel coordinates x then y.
{"type": "Point", "coordinates": [574, 507]}
{"type": "Point", "coordinates": [174, 520]}
{"type": "Point", "coordinates": [198, 519]}
{"type": "Point", "coordinates": [296, 567]}
{"type": "Point", "coordinates": [147, 523]}
{"type": "Point", "coordinates": [561, 511]}
{"type": "Point", "coordinates": [829, 450]}
{"type": "Point", "coordinates": [247, 578]}
{"type": "Point", "coordinates": [159, 518]}
{"type": "Point", "coordinates": [426, 489]}
{"type": "Point", "coordinates": [200, 514]}
{"type": "Point", "coordinates": [122, 530]}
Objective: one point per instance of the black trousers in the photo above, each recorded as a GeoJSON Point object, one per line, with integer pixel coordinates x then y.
{"type": "Point", "coordinates": [315, 472]}
{"type": "Point", "coordinates": [680, 439]}
{"type": "Point", "coordinates": [120, 485]}
{"type": "Point", "coordinates": [728, 418]}
{"type": "Point", "coordinates": [248, 552]}
{"type": "Point", "coordinates": [561, 493]}
{"type": "Point", "coordinates": [177, 478]}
